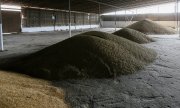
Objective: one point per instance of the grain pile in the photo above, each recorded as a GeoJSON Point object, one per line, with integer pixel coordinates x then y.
{"type": "Point", "coordinates": [133, 35]}
{"type": "Point", "coordinates": [94, 55]}
{"type": "Point", "coordinates": [140, 52]}
{"type": "Point", "coordinates": [151, 27]}
{"type": "Point", "coordinates": [20, 91]}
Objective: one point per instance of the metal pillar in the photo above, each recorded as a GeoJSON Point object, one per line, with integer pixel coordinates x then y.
{"type": "Point", "coordinates": [69, 18]}
{"type": "Point", "coordinates": [99, 17]}
{"type": "Point", "coordinates": [125, 17]}
{"type": "Point", "coordinates": [178, 26]}
{"type": "Point", "coordinates": [136, 14]}
{"type": "Point", "coordinates": [1, 35]}
{"type": "Point", "coordinates": [75, 21]}
{"type": "Point", "coordinates": [177, 16]}
{"type": "Point", "coordinates": [158, 12]}
{"type": "Point", "coordinates": [83, 23]}
{"type": "Point", "coordinates": [90, 20]}
{"type": "Point", "coordinates": [115, 21]}
{"type": "Point", "coordinates": [54, 21]}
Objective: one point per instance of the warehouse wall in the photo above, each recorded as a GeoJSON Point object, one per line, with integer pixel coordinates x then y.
{"type": "Point", "coordinates": [10, 18]}
{"type": "Point", "coordinates": [121, 24]}
{"type": "Point", "coordinates": [42, 20]}
{"type": "Point", "coordinates": [169, 20]}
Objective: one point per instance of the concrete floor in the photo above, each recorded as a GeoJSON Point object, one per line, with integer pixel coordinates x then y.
{"type": "Point", "coordinates": [157, 86]}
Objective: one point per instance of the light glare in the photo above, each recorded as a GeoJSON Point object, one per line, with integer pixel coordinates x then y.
{"type": "Point", "coordinates": [154, 9]}
{"type": "Point", "coordinates": [15, 10]}
{"type": "Point", "coordinates": [10, 7]}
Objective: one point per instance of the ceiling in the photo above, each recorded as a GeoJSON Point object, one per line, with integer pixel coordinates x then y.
{"type": "Point", "coordinates": [90, 6]}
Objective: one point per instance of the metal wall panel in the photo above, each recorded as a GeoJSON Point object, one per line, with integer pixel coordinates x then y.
{"type": "Point", "coordinates": [155, 17]}
{"type": "Point", "coordinates": [11, 21]}
{"type": "Point", "coordinates": [39, 18]}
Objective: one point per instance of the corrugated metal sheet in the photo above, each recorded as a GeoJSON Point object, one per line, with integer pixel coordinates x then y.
{"type": "Point", "coordinates": [11, 21]}
{"type": "Point", "coordinates": [38, 18]}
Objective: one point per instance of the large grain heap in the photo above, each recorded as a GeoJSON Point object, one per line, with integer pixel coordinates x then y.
{"type": "Point", "coordinates": [133, 35]}
{"type": "Point", "coordinates": [94, 55]}
{"type": "Point", "coordinates": [151, 27]}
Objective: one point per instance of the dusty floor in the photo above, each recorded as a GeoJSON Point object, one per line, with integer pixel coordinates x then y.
{"type": "Point", "coordinates": [157, 86]}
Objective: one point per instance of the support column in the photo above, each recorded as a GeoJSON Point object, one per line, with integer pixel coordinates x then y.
{"type": "Point", "coordinates": [136, 14]}
{"type": "Point", "coordinates": [69, 18]}
{"type": "Point", "coordinates": [83, 22]}
{"type": "Point", "coordinates": [99, 17]}
{"type": "Point", "coordinates": [90, 20]}
{"type": "Point", "coordinates": [158, 13]}
{"type": "Point", "coordinates": [54, 21]}
{"type": "Point", "coordinates": [1, 32]}
{"type": "Point", "coordinates": [125, 17]}
{"type": "Point", "coordinates": [75, 21]}
{"type": "Point", "coordinates": [178, 26]}
{"type": "Point", "coordinates": [177, 16]}
{"type": "Point", "coordinates": [115, 21]}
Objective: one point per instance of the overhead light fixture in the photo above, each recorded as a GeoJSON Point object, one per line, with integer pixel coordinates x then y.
{"type": "Point", "coordinates": [11, 8]}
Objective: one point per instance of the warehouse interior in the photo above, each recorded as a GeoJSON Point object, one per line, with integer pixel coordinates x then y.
{"type": "Point", "coordinates": [89, 54]}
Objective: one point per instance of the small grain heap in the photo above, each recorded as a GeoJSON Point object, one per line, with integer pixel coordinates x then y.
{"type": "Point", "coordinates": [133, 35]}
{"type": "Point", "coordinates": [151, 27]}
